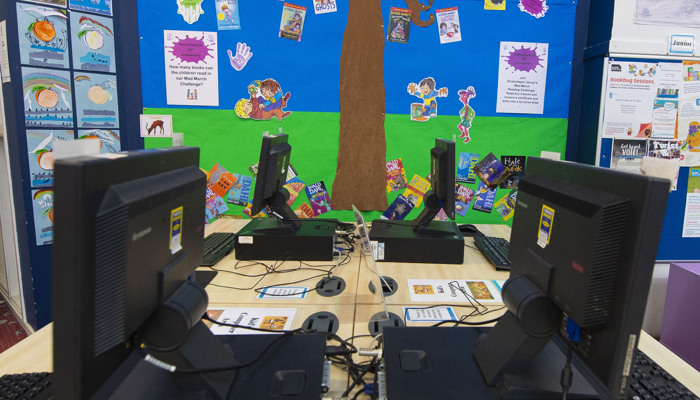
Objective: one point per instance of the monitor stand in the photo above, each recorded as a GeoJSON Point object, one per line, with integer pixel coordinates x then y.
{"type": "Point", "coordinates": [437, 242]}
{"type": "Point", "coordinates": [274, 239]}
{"type": "Point", "coordinates": [437, 363]}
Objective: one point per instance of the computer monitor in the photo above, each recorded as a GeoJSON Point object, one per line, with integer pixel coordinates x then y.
{"type": "Point", "coordinates": [272, 175]}
{"type": "Point", "coordinates": [425, 240]}
{"type": "Point", "coordinates": [129, 231]}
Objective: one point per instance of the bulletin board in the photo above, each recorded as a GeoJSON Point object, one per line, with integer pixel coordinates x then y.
{"type": "Point", "coordinates": [308, 70]}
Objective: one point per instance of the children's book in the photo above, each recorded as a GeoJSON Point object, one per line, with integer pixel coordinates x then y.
{"type": "Point", "coordinates": [506, 205]}
{"type": "Point", "coordinates": [220, 180]}
{"type": "Point", "coordinates": [395, 176]}
{"type": "Point", "coordinates": [248, 209]}
{"type": "Point", "coordinates": [241, 192]}
{"type": "Point", "coordinates": [515, 166]}
{"type": "Point", "coordinates": [416, 189]}
{"type": "Point", "coordinates": [305, 211]}
{"type": "Point", "coordinates": [319, 198]}
{"type": "Point", "coordinates": [291, 172]}
{"type": "Point", "coordinates": [292, 23]}
{"type": "Point", "coordinates": [465, 167]}
{"type": "Point", "coordinates": [398, 209]}
{"type": "Point", "coordinates": [325, 6]}
{"type": "Point", "coordinates": [463, 196]}
{"type": "Point", "coordinates": [484, 198]}
{"type": "Point", "coordinates": [448, 25]}
{"type": "Point", "coordinates": [399, 25]}
{"type": "Point", "coordinates": [491, 171]}
{"type": "Point", "coordinates": [215, 206]}
{"type": "Point", "coordinates": [227, 17]}
{"type": "Point", "coordinates": [294, 186]}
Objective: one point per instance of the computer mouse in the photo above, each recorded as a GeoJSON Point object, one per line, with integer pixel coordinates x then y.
{"type": "Point", "coordinates": [468, 229]}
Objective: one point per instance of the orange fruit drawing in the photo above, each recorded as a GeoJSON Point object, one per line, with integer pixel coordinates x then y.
{"type": "Point", "coordinates": [47, 98]}
{"type": "Point", "coordinates": [44, 30]}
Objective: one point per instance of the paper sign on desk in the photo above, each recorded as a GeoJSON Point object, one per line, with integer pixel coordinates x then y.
{"type": "Point", "coordinates": [453, 290]}
{"type": "Point", "coordinates": [278, 319]}
{"type": "Point", "coordinates": [429, 314]}
{"type": "Point", "coordinates": [283, 292]}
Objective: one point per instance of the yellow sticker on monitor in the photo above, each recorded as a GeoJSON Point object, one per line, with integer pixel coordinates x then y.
{"type": "Point", "coordinates": [545, 231]}
{"type": "Point", "coordinates": [175, 230]}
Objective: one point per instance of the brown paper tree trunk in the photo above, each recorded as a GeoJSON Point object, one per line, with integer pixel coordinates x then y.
{"type": "Point", "coordinates": [360, 177]}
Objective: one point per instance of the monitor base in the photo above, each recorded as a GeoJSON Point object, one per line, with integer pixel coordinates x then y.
{"type": "Point", "coordinates": [439, 242]}
{"type": "Point", "coordinates": [272, 239]}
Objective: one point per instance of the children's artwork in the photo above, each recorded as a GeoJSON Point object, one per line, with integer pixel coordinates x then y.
{"type": "Point", "coordinates": [491, 171]}
{"type": "Point", "coordinates": [110, 141]}
{"type": "Point", "coordinates": [319, 198]}
{"type": "Point", "coordinates": [48, 101]}
{"type": "Point", "coordinates": [42, 202]}
{"type": "Point", "coordinates": [294, 186]}
{"type": "Point", "coordinates": [156, 125]}
{"type": "Point", "coordinates": [395, 176]}
{"type": "Point", "coordinates": [536, 8]}
{"type": "Point", "coordinates": [227, 17]}
{"type": "Point", "coordinates": [506, 205]}
{"type": "Point", "coordinates": [463, 198]}
{"type": "Point", "coordinates": [103, 7]}
{"type": "Point", "coordinates": [191, 68]}
{"type": "Point", "coordinates": [266, 101]}
{"type": "Point", "coordinates": [416, 189]}
{"type": "Point", "coordinates": [495, 5]}
{"type": "Point", "coordinates": [398, 209]}
{"type": "Point", "coordinates": [241, 192]}
{"type": "Point", "coordinates": [190, 10]}
{"type": "Point", "coordinates": [96, 101]}
{"type": "Point", "coordinates": [465, 167]}
{"type": "Point", "coordinates": [292, 23]}
{"type": "Point", "coordinates": [627, 154]}
{"type": "Point", "coordinates": [399, 25]}
{"type": "Point", "coordinates": [305, 211]}
{"type": "Point", "coordinates": [425, 90]}
{"type": "Point", "coordinates": [515, 166]}
{"type": "Point", "coordinates": [220, 180]}
{"type": "Point", "coordinates": [40, 153]}
{"type": "Point", "coordinates": [484, 198]}
{"type": "Point", "coordinates": [242, 56]}
{"type": "Point", "coordinates": [325, 6]}
{"type": "Point", "coordinates": [448, 25]}
{"type": "Point", "coordinates": [466, 114]}
{"type": "Point", "coordinates": [60, 3]}
{"type": "Point", "coordinates": [43, 36]}
{"type": "Point", "coordinates": [92, 42]}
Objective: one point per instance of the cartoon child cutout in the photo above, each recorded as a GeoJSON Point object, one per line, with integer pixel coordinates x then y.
{"type": "Point", "coordinates": [466, 114]}
{"type": "Point", "coordinates": [426, 91]}
{"type": "Point", "coordinates": [266, 101]}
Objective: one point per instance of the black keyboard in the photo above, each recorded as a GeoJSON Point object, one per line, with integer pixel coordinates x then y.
{"type": "Point", "coordinates": [648, 381]}
{"type": "Point", "coordinates": [216, 246]}
{"type": "Point", "coordinates": [495, 249]}
{"type": "Point", "coordinates": [33, 385]}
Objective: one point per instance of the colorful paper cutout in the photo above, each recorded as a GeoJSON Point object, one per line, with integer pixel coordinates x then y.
{"type": "Point", "coordinates": [92, 42]}
{"type": "Point", "coordinates": [43, 36]}
{"type": "Point", "coordinates": [292, 23]}
{"type": "Point", "coordinates": [48, 102]}
{"type": "Point", "coordinates": [495, 5]}
{"type": "Point", "coordinates": [242, 56]}
{"type": "Point", "coordinates": [536, 8]}
{"type": "Point", "coordinates": [96, 101]}
{"type": "Point", "coordinates": [266, 101]}
{"type": "Point", "coordinates": [425, 90]}
{"type": "Point", "coordinates": [467, 113]}
{"type": "Point", "coordinates": [416, 7]}
{"type": "Point", "coordinates": [190, 10]}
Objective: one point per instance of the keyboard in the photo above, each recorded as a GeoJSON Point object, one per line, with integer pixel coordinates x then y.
{"type": "Point", "coordinates": [216, 246]}
{"type": "Point", "coordinates": [495, 249]}
{"type": "Point", "coordinates": [33, 385]}
{"type": "Point", "coordinates": [649, 381]}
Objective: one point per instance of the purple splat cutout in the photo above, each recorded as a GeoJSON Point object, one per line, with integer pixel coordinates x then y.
{"type": "Point", "coordinates": [536, 8]}
{"type": "Point", "coordinates": [523, 59]}
{"type": "Point", "coordinates": [191, 50]}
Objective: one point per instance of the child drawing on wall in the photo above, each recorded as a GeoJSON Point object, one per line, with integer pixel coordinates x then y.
{"type": "Point", "coordinates": [426, 91]}
{"type": "Point", "coordinates": [466, 114]}
{"type": "Point", "coordinates": [266, 101]}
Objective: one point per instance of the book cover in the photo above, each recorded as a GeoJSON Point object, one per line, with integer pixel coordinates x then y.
{"type": "Point", "coordinates": [463, 198]}
{"type": "Point", "coordinates": [491, 171]}
{"type": "Point", "coordinates": [215, 206]}
{"type": "Point", "coordinates": [241, 192]}
{"type": "Point", "coordinates": [291, 172]}
{"type": "Point", "coordinates": [248, 208]}
{"type": "Point", "coordinates": [395, 176]}
{"type": "Point", "coordinates": [399, 209]}
{"type": "Point", "coordinates": [220, 180]}
{"type": "Point", "coordinates": [627, 154]}
{"type": "Point", "coordinates": [305, 211]}
{"type": "Point", "coordinates": [319, 198]}
{"type": "Point", "coordinates": [399, 25]}
{"type": "Point", "coordinates": [515, 166]}
{"type": "Point", "coordinates": [416, 189]}
{"type": "Point", "coordinates": [227, 17]}
{"type": "Point", "coordinates": [325, 6]}
{"type": "Point", "coordinates": [505, 206]}
{"type": "Point", "coordinates": [294, 186]}
{"type": "Point", "coordinates": [664, 148]}
{"type": "Point", "coordinates": [465, 167]}
{"type": "Point", "coordinates": [484, 198]}
{"type": "Point", "coordinates": [448, 25]}
{"type": "Point", "coordinates": [292, 23]}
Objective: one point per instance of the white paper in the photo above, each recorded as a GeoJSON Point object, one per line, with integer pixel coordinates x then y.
{"type": "Point", "coordinates": [522, 77]}
{"type": "Point", "coordinates": [4, 58]}
{"type": "Point", "coordinates": [279, 319]}
{"type": "Point", "coordinates": [191, 68]}
{"type": "Point", "coordinates": [429, 314]}
{"type": "Point", "coordinates": [283, 292]}
{"type": "Point", "coordinates": [453, 290]}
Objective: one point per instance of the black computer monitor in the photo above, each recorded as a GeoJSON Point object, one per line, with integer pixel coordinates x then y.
{"type": "Point", "coordinates": [425, 240]}
{"type": "Point", "coordinates": [272, 175]}
{"type": "Point", "coordinates": [129, 231]}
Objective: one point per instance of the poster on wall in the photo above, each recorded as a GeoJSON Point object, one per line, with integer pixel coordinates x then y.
{"type": "Point", "coordinates": [96, 101]}
{"type": "Point", "coordinates": [629, 98]}
{"type": "Point", "coordinates": [40, 154]}
{"type": "Point", "coordinates": [691, 219]}
{"type": "Point", "coordinates": [448, 25]}
{"type": "Point", "coordinates": [42, 204]}
{"type": "Point", "coordinates": [522, 77]}
{"type": "Point", "coordinates": [92, 43]}
{"type": "Point", "coordinates": [191, 68]}
{"type": "Point", "coordinates": [227, 17]}
{"type": "Point", "coordinates": [292, 23]}
{"type": "Point", "coordinates": [43, 36]}
{"type": "Point", "coordinates": [103, 7]}
{"type": "Point", "coordinates": [48, 102]}
{"type": "Point", "coordinates": [667, 12]}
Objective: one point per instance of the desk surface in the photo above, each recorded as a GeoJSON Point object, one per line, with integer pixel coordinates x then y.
{"type": "Point", "coordinates": [353, 309]}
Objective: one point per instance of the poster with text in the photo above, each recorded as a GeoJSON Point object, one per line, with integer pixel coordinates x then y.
{"type": "Point", "coordinates": [522, 77]}
{"type": "Point", "coordinates": [92, 42]}
{"type": "Point", "coordinates": [191, 68]}
{"type": "Point", "coordinates": [43, 36]}
{"type": "Point", "coordinates": [96, 101]}
{"type": "Point", "coordinates": [629, 98]}
{"type": "Point", "coordinates": [691, 219]}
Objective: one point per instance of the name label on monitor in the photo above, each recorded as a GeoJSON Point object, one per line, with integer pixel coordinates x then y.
{"type": "Point", "coordinates": [546, 220]}
{"type": "Point", "coordinates": [245, 240]}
